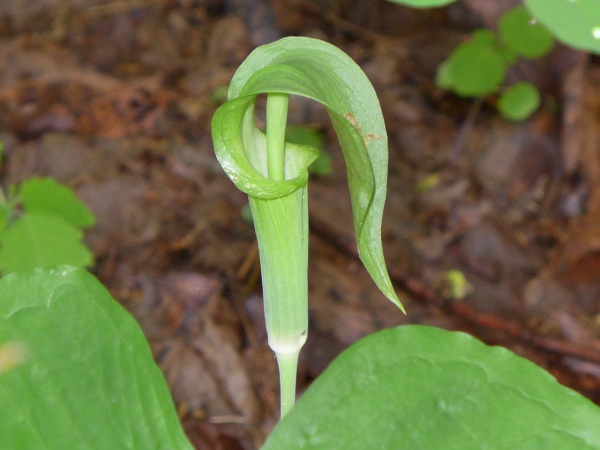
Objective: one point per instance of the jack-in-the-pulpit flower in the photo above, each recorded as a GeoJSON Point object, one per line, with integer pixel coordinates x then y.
{"type": "Point", "coordinates": [274, 174]}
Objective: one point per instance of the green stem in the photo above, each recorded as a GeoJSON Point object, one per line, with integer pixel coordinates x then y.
{"type": "Point", "coordinates": [277, 108]}
{"type": "Point", "coordinates": [288, 364]}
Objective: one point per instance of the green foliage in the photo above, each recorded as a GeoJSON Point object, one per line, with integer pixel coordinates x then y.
{"type": "Point", "coordinates": [519, 101]}
{"type": "Point", "coordinates": [41, 224]}
{"type": "Point", "coordinates": [45, 195]}
{"type": "Point", "coordinates": [418, 387]}
{"type": "Point", "coordinates": [413, 387]}
{"type": "Point", "coordinates": [478, 67]}
{"type": "Point", "coordinates": [78, 372]}
{"type": "Point", "coordinates": [474, 68]}
{"type": "Point", "coordinates": [521, 34]}
{"type": "Point", "coordinates": [574, 22]}
{"type": "Point", "coordinates": [41, 240]}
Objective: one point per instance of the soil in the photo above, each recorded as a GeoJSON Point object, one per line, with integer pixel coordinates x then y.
{"type": "Point", "coordinates": [115, 98]}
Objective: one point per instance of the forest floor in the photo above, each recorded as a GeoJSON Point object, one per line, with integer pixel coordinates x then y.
{"type": "Point", "coordinates": [115, 98]}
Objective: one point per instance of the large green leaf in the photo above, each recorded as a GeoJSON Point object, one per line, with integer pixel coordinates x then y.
{"type": "Point", "coordinates": [317, 70]}
{"type": "Point", "coordinates": [82, 374]}
{"type": "Point", "coordinates": [41, 240]}
{"type": "Point", "coordinates": [418, 387]}
{"type": "Point", "coordinates": [575, 22]}
{"type": "Point", "coordinates": [45, 195]}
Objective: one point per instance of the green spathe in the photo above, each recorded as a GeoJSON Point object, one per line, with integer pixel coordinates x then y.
{"type": "Point", "coordinates": [317, 70]}
{"type": "Point", "coordinates": [274, 175]}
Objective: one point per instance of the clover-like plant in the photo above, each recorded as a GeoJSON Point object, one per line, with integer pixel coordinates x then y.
{"type": "Point", "coordinates": [274, 175]}
{"type": "Point", "coordinates": [478, 66]}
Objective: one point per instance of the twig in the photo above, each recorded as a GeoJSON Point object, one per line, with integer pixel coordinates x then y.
{"type": "Point", "coordinates": [465, 130]}
{"type": "Point", "coordinates": [488, 321]}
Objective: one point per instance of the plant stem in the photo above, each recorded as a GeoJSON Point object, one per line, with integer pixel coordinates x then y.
{"type": "Point", "coordinates": [288, 364]}
{"type": "Point", "coordinates": [277, 108]}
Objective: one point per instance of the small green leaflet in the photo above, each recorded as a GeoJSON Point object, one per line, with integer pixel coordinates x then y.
{"type": "Point", "coordinates": [523, 35]}
{"type": "Point", "coordinates": [45, 195]}
{"type": "Point", "coordinates": [46, 229]}
{"type": "Point", "coordinates": [519, 101]}
{"type": "Point", "coordinates": [41, 240]}
{"type": "Point", "coordinates": [458, 72]}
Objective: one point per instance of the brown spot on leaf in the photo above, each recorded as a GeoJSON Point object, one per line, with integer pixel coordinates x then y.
{"type": "Point", "coordinates": [353, 121]}
{"type": "Point", "coordinates": [371, 136]}
{"type": "Point", "coordinates": [356, 126]}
